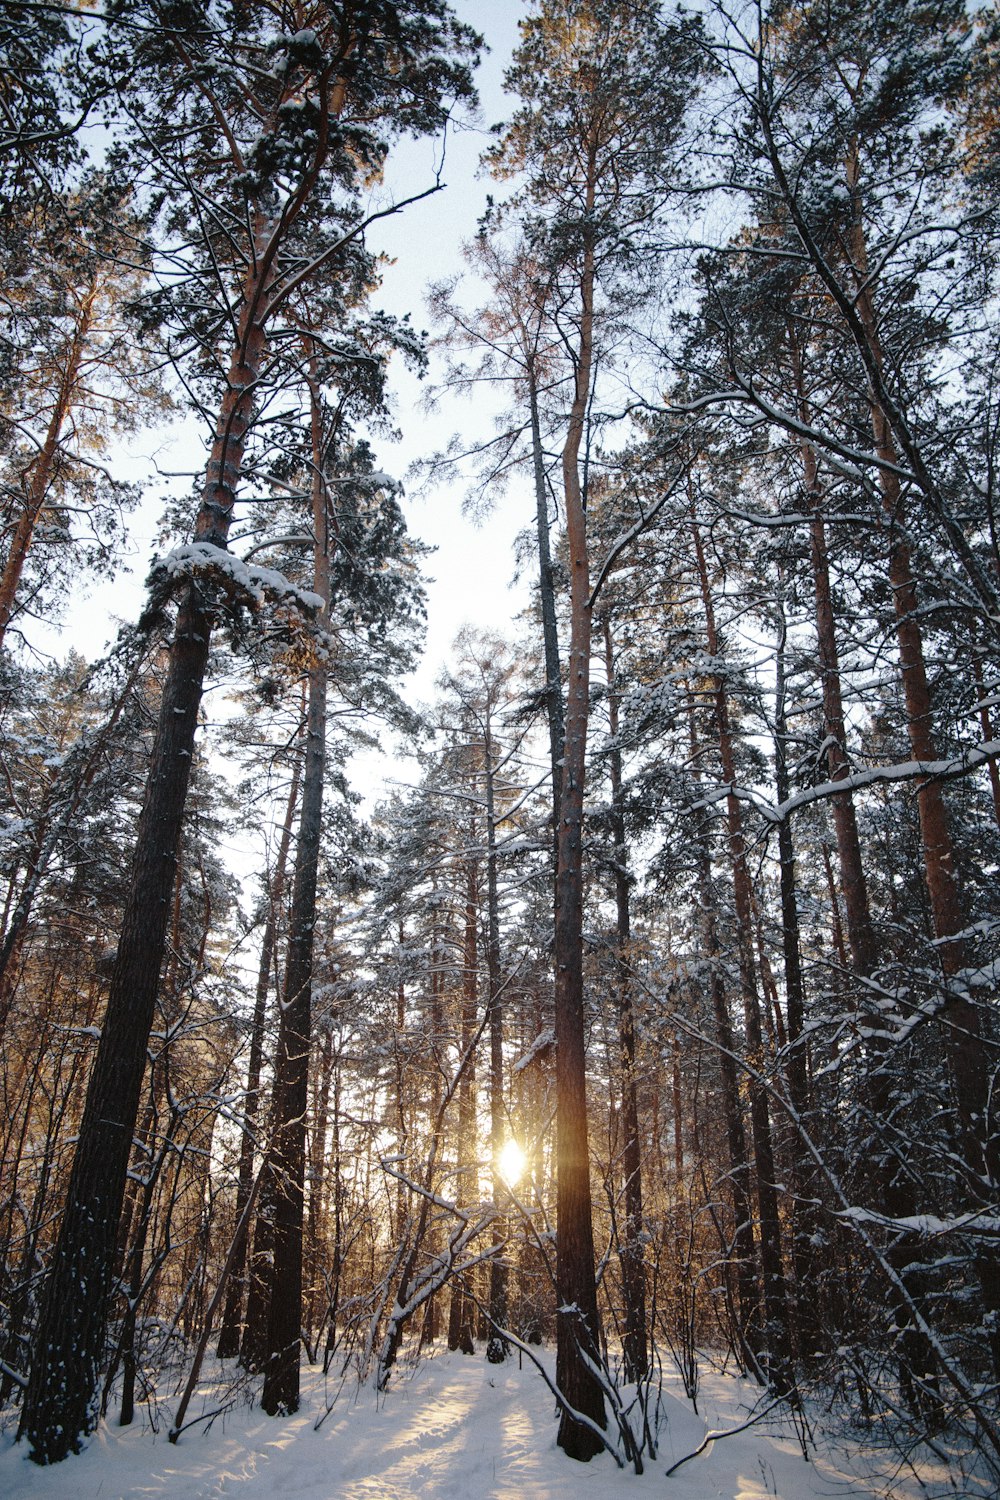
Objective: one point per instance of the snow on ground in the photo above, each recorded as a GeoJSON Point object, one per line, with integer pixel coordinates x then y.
{"type": "Point", "coordinates": [457, 1428]}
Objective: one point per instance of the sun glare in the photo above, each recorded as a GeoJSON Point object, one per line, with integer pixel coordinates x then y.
{"type": "Point", "coordinates": [511, 1163]}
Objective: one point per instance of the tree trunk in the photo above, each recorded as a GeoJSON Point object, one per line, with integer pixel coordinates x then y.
{"type": "Point", "coordinates": [497, 1347]}
{"type": "Point", "coordinates": [547, 599]}
{"type": "Point", "coordinates": [339, 1246]}
{"type": "Point", "coordinates": [41, 471]}
{"type": "Point", "coordinates": [633, 1268]}
{"type": "Point", "coordinates": [577, 1332]}
{"type": "Point", "coordinates": [432, 1238]}
{"type": "Point", "coordinates": [60, 1402]}
{"type": "Point", "coordinates": [402, 1121]}
{"type": "Point", "coordinates": [777, 1340]}
{"type": "Point", "coordinates": [971, 1075]}
{"type": "Point", "coordinates": [860, 935]}
{"type": "Point", "coordinates": [891, 1187]}
{"type": "Point", "coordinates": [230, 1332]}
{"type": "Point", "coordinates": [319, 1125]}
{"type": "Point", "coordinates": [748, 1330]}
{"type": "Point", "coordinates": [291, 1081]}
{"type": "Point", "coordinates": [461, 1319]}
{"type": "Point", "coordinates": [804, 1224]}
{"type": "Point", "coordinates": [986, 724]}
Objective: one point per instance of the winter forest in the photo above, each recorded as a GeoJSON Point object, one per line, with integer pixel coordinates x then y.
{"type": "Point", "coordinates": [606, 1023]}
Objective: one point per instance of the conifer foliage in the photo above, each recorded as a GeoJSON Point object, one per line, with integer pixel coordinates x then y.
{"type": "Point", "coordinates": [652, 1012]}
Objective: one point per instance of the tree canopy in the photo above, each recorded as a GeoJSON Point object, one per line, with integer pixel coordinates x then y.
{"type": "Point", "coordinates": [681, 893]}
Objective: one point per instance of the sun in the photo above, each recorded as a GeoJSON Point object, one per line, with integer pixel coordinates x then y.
{"type": "Point", "coordinates": [511, 1163]}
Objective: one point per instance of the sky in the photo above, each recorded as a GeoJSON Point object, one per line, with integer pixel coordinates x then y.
{"type": "Point", "coordinates": [474, 563]}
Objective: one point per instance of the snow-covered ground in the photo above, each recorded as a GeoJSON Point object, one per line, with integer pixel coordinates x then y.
{"type": "Point", "coordinates": [456, 1428]}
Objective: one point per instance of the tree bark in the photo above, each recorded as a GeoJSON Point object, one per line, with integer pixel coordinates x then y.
{"type": "Point", "coordinates": [497, 1347]}
{"type": "Point", "coordinates": [319, 1126]}
{"type": "Point", "coordinates": [230, 1332]}
{"type": "Point", "coordinates": [636, 1359]}
{"type": "Point", "coordinates": [41, 471]}
{"type": "Point", "coordinates": [748, 1330]}
{"type": "Point", "coordinates": [432, 1238]}
{"type": "Point", "coordinates": [977, 1141]}
{"type": "Point", "coordinates": [291, 1082]}
{"type": "Point", "coordinates": [577, 1333]}
{"type": "Point", "coordinates": [339, 1246]}
{"type": "Point", "coordinates": [986, 724]}
{"type": "Point", "coordinates": [860, 934]}
{"type": "Point", "coordinates": [804, 1224]}
{"type": "Point", "coordinates": [547, 598]}
{"type": "Point", "coordinates": [60, 1404]}
{"type": "Point", "coordinates": [461, 1319]}
{"type": "Point", "coordinates": [777, 1342]}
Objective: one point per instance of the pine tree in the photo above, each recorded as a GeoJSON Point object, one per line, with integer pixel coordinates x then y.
{"type": "Point", "coordinates": [274, 190]}
{"type": "Point", "coordinates": [591, 77]}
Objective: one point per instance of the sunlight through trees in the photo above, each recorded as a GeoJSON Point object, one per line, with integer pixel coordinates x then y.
{"type": "Point", "coordinates": [646, 1012]}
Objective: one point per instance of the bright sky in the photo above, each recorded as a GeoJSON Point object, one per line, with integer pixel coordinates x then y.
{"type": "Point", "coordinates": [474, 563]}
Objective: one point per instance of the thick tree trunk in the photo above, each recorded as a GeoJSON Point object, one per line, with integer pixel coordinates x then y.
{"type": "Point", "coordinates": [60, 1403]}
{"type": "Point", "coordinates": [777, 1342]}
{"type": "Point", "coordinates": [287, 1157]}
{"type": "Point", "coordinates": [860, 934]}
{"type": "Point", "coordinates": [747, 1312]}
{"type": "Point", "coordinates": [291, 1080]}
{"type": "Point", "coordinates": [970, 1071]}
{"type": "Point", "coordinates": [577, 1334]}
{"type": "Point", "coordinates": [986, 724]}
{"type": "Point", "coordinates": [636, 1361]}
{"type": "Point", "coordinates": [230, 1331]}
{"type": "Point", "coordinates": [547, 599]}
{"type": "Point", "coordinates": [804, 1224]}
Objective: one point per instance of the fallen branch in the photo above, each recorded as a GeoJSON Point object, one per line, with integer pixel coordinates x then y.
{"type": "Point", "coordinates": [710, 1437]}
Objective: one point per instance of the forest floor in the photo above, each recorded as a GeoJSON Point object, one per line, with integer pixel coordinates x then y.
{"type": "Point", "coordinates": [456, 1428]}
